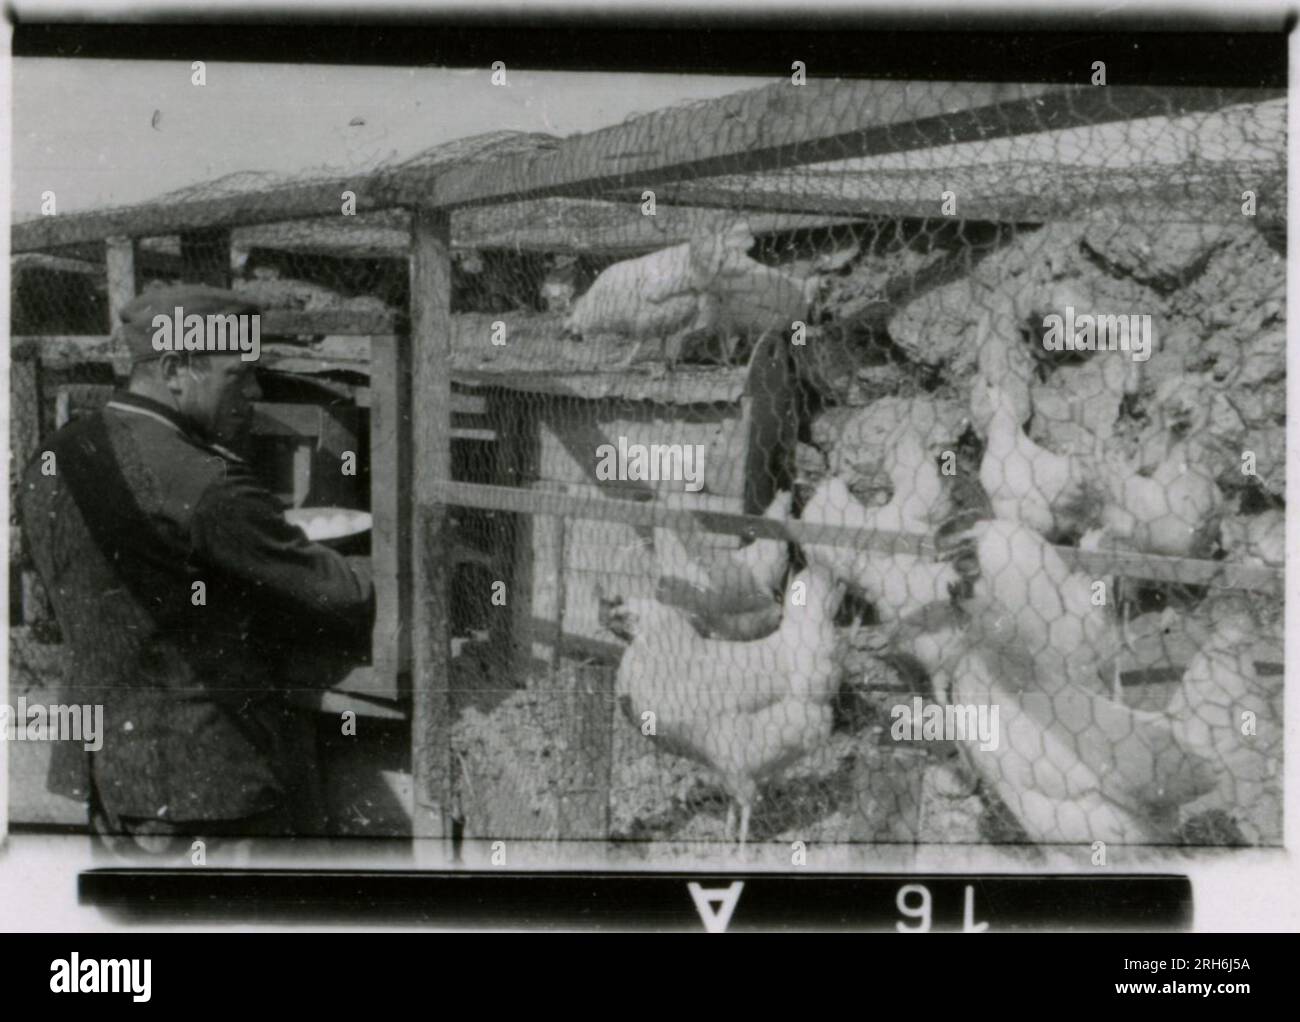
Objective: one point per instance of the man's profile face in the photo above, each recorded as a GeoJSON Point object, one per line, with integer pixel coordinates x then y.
{"type": "Point", "coordinates": [215, 393]}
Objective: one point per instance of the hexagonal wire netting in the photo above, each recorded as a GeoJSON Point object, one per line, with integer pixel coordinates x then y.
{"type": "Point", "coordinates": [1037, 346]}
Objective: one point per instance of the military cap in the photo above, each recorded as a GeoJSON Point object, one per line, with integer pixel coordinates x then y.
{"type": "Point", "coordinates": [137, 330]}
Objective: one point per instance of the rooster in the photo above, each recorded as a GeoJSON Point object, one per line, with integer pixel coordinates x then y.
{"type": "Point", "coordinates": [1048, 492]}
{"type": "Point", "coordinates": [746, 710]}
{"type": "Point", "coordinates": [896, 583]}
{"type": "Point", "coordinates": [704, 288]}
{"type": "Point", "coordinates": [732, 595]}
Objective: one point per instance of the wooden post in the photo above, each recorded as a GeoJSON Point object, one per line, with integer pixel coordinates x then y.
{"type": "Point", "coordinates": [122, 281]}
{"type": "Point", "coordinates": [24, 409]}
{"type": "Point", "coordinates": [24, 443]}
{"type": "Point", "coordinates": [205, 256]}
{"type": "Point", "coordinates": [768, 425]}
{"type": "Point", "coordinates": [431, 545]}
{"type": "Point", "coordinates": [390, 504]}
{"type": "Point", "coordinates": [588, 757]}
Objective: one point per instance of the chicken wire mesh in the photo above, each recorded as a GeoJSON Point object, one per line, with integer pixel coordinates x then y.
{"type": "Point", "coordinates": [853, 331]}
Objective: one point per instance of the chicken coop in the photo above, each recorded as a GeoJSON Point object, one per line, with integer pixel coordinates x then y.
{"type": "Point", "coordinates": [851, 463]}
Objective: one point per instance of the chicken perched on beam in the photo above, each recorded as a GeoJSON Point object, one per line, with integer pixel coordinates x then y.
{"type": "Point", "coordinates": [746, 710]}
{"type": "Point", "coordinates": [708, 287]}
{"type": "Point", "coordinates": [896, 583]}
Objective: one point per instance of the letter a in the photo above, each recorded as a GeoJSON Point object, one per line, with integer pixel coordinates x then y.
{"type": "Point", "coordinates": [716, 919]}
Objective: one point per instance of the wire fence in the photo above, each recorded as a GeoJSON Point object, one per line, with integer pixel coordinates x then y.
{"type": "Point", "coordinates": [1033, 340]}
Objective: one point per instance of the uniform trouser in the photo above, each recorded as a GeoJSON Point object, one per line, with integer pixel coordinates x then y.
{"type": "Point", "coordinates": [231, 841]}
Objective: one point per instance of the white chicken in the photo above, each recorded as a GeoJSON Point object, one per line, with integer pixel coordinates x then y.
{"type": "Point", "coordinates": [1226, 711]}
{"type": "Point", "coordinates": [896, 583]}
{"type": "Point", "coordinates": [1174, 512]}
{"type": "Point", "coordinates": [1053, 494]}
{"type": "Point", "coordinates": [747, 710]}
{"type": "Point", "coordinates": [706, 287]}
{"type": "Point", "coordinates": [1031, 601]}
{"type": "Point", "coordinates": [1255, 539]}
{"type": "Point", "coordinates": [1073, 766]}
{"type": "Point", "coordinates": [731, 594]}
{"type": "Point", "coordinates": [1001, 361]}
{"type": "Point", "coordinates": [1069, 763]}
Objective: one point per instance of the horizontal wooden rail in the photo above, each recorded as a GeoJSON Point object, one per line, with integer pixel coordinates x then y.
{"type": "Point", "coordinates": [283, 322]}
{"type": "Point", "coordinates": [781, 126]}
{"type": "Point", "coordinates": [1097, 194]}
{"type": "Point", "coordinates": [771, 128]}
{"type": "Point", "coordinates": [274, 323]}
{"type": "Point", "coordinates": [1188, 571]}
{"type": "Point", "coordinates": [291, 202]}
{"type": "Point", "coordinates": [64, 350]}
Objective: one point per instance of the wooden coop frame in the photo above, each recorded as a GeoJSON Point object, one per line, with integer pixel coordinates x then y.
{"type": "Point", "coordinates": [677, 152]}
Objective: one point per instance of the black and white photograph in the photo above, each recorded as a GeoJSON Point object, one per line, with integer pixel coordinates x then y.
{"type": "Point", "coordinates": [491, 466]}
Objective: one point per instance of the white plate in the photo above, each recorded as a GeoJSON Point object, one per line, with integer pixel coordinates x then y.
{"type": "Point", "coordinates": [327, 523]}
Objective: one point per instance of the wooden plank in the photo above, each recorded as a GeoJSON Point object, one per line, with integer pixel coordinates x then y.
{"type": "Point", "coordinates": [344, 696]}
{"type": "Point", "coordinates": [390, 489]}
{"type": "Point", "coordinates": [339, 432]}
{"type": "Point", "coordinates": [24, 410]}
{"type": "Point", "coordinates": [431, 532]}
{"type": "Point", "coordinates": [66, 351]}
{"type": "Point", "coordinates": [292, 202]}
{"type": "Point", "coordinates": [205, 256]}
{"type": "Point", "coordinates": [293, 322]}
{"type": "Point", "coordinates": [120, 265]}
{"type": "Point", "coordinates": [280, 418]}
{"type": "Point", "coordinates": [517, 465]}
{"type": "Point", "coordinates": [768, 424]}
{"type": "Point", "coordinates": [781, 126]}
{"type": "Point", "coordinates": [477, 435]}
{"type": "Point", "coordinates": [1220, 574]}
{"type": "Point", "coordinates": [588, 753]}
{"type": "Point", "coordinates": [24, 443]}
{"type": "Point", "coordinates": [541, 545]}
{"type": "Point", "coordinates": [302, 459]}
{"type": "Point", "coordinates": [771, 128]}
{"type": "Point", "coordinates": [469, 404]}
{"type": "Point", "coordinates": [58, 351]}
{"type": "Point", "coordinates": [1037, 194]}
{"type": "Point", "coordinates": [687, 386]}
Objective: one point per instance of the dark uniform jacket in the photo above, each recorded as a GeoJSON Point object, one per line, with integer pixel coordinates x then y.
{"type": "Point", "coordinates": [137, 512]}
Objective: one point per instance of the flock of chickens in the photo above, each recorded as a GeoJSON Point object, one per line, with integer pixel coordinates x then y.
{"type": "Point", "coordinates": [737, 661]}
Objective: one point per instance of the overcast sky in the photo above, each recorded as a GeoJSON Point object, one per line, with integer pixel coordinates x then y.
{"type": "Point", "coordinates": [84, 128]}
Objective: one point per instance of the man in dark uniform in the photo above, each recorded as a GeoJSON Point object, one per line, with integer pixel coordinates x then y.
{"type": "Point", "coordinates": [181, 592]}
